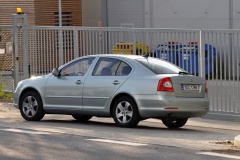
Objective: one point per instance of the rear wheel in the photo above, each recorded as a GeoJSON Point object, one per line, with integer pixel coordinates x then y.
{"type": "Point", "coordinates": [31, 106]}
{"type": "Point", "coordinates": [174, 123]}
{"type": "Point", "coordinates": [125, 112]}
{"type": "Point", "coordinates": [81, 118]}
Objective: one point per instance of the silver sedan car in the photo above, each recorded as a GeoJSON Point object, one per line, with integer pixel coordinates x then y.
{"type": "Point", "coordinates": [125, 87]}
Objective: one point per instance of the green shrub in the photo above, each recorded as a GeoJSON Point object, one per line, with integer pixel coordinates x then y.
{"type": "Point", "coordinates": [4, 95]}
{"type": "Point", "coordinates": [1, 88]}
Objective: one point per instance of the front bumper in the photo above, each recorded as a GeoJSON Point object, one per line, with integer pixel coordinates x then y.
{"type": "Point", "coordinates": [15, 105]}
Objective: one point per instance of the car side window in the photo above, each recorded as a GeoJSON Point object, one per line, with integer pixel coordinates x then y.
{"type": "Point", "coordinates": [106, 67]}
{"type": "Point", "coordinates": [123, 70]}
{"type": "Point", "coordinates": [77, 68]}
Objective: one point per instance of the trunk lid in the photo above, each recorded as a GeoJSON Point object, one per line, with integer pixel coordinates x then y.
{"type": "Point", "coordinates": [188, 86]}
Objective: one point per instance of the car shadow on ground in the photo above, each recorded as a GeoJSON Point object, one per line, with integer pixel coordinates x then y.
{"type": "Point", "coordinates": [106, 123]}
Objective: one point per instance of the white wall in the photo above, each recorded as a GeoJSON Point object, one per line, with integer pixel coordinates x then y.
{"type": "Point", "coordinates": [236, 14]}
{"type": "Point", "coordinates": [194, 14]}
{"type": "Point", "coordinates": [122, 12]}
{"type": "Point", "coordinates": [126, 12]}
{"type": "Point", "coordinates": [113, 13]}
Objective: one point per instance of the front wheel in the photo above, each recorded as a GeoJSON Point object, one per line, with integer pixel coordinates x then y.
{"type": "Point", "coordinates": [174, 123]}
{"type": "Point", "coordinates": [31, 106]}
{"type": "Point", "coordinates": [125, 112]}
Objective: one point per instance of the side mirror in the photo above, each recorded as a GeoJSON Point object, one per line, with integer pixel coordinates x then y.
{"type": "Point", "coordinates": [55, 72]}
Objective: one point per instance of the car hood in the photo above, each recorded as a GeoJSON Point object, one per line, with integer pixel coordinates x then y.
{"type": "Point", "coordinates": [37, 77]}
{"type": "Point", "coordinates": [34, 82]}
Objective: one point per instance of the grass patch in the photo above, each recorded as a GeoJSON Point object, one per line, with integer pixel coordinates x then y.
{"type": "Point", "coordinates": [4, 95]}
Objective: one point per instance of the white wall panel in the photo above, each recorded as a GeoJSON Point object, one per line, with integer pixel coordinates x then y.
{"type": "Point", "coordinates": [192, 14]}
{"type": "Point", "coordinates": [126, 12]}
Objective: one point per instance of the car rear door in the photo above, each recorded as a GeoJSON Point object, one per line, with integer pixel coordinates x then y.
{"type": "Point", "coordinates": [108, 75]}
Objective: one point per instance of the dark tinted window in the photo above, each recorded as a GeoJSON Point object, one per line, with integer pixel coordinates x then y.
{"type": "Point", "coordinates": [124, 69]}
{"type": "Point", "coordinates": [106, 67]}
{"type": "Point", "coordinates": [111, 67]}
{"type": "Point", "coordinates": [158, 66]}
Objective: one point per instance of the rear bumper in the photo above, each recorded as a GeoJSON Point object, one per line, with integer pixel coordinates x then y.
{"type": "Point", "coordinates": [158, 106]}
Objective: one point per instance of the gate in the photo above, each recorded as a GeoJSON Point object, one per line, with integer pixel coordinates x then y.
{"type": "Point", "coordinates": [6, 57]}
{"type": "Point", "coordinates": [213, 54]}
{"type": "Point", "coordinates": [224, 86]}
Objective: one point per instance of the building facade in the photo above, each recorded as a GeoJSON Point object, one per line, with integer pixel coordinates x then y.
{"type": "Point", "coordinates": [39, 13]}
{"type": "Point", "coordinates": [190, 14]}
{"type": "Point", "coordinates": [43, 12]}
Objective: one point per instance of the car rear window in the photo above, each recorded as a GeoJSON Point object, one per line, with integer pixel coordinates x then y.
{"type": "Point", "coordinates": [158, 66]}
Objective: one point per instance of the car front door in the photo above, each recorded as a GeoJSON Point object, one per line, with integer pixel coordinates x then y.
{"type": "Point", "coordinates": [64, 92]}
{"type": "Point", "coordinates": [108, 75]}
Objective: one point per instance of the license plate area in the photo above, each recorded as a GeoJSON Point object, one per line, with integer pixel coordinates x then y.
{"type": "Point", "coordinates": [190, 87]}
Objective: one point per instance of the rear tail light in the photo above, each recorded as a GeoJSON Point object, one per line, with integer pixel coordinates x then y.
{"type": "Point", "coordinates": [206, 86]}
{"type": "Point", "coordinates": [171, 108]}
{"type": "Point", "coordinates": [165, 84]}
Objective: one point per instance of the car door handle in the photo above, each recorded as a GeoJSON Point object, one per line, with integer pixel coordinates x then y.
{"type": "Point", "coordinates": [116, 82]}
{"type": "Point", "coordinates": [78, 82]}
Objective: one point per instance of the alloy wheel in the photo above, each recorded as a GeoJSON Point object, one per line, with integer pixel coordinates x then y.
{"type": "Point", "coordinates": [30, 106]}
{"type": "Point", "coordinates": [124, 112]}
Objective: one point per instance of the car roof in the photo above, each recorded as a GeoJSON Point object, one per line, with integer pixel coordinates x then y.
{"type": "Point", "coordinates": [132, 57]}
{"type": "Point", "coordinates": [115, 55]}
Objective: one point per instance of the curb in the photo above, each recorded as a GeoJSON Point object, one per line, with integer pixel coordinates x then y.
{"type": "Point", "coordinates": [7, 106]}
{"type": "Point", "coordinates": [6, 101]}
{"type": "Point", "coordinates": [237, 141]}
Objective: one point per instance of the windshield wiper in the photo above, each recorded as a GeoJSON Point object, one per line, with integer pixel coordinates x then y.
{"type": "Point", "coordinates": [183, 72]}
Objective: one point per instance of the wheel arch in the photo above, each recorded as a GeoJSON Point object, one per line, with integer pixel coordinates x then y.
{"type": "Point", "coordinates": [116, 97]}
{"type": "Point", "coordinates": [29, 89]}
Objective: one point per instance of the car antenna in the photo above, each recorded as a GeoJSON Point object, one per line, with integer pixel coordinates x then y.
{"type": "Point", "coordinates": [146, 55]}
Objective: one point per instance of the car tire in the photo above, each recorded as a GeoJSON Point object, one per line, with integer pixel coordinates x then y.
{"type": "Point", "coordinates": [81, 118]}
{"type": "Point", "coordinates": [125, 112]}
{"type": "Point", "coordinates": [31, 106]}
{"type": "Point", "coordinates": [174, 123]}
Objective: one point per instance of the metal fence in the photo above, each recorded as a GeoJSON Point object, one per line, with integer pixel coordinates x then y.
{"type": "Point", "coordinates": [224, 86]}
{"type": "Point", "coordinates": [213, 54]}
{"type": "Point", "coordinates": [51, 47]}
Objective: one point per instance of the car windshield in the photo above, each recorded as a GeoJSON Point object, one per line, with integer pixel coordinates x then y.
{"type": "Point", "coordinates": [158, 66]}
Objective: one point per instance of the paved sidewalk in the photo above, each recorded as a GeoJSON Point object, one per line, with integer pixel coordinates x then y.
{"type": "Point", "coordinates": [215, 124]}
{"type": "Point", "coordinates": [199, 122]}
{"type": "Point", "coordinates": [7, 106]}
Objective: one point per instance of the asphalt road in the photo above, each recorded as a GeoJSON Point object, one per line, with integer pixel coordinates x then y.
{"type": "Point", "coordinates": [61, 137]}
{"type": "Point", "coordinates": [53, 146]}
